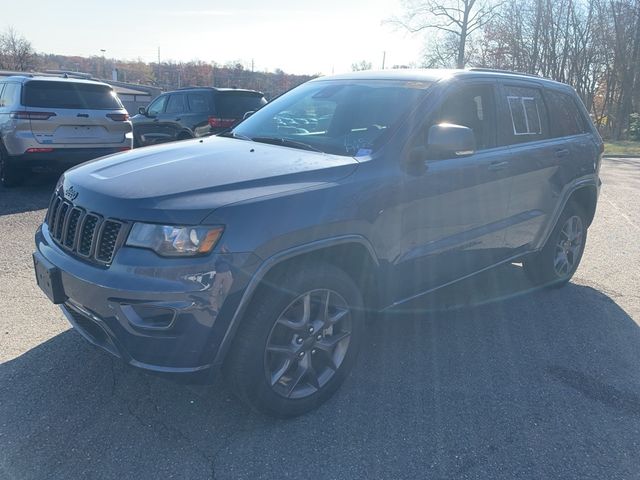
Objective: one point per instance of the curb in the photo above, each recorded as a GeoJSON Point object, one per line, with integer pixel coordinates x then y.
{"type": "Point", "coordinates": [611, 155]}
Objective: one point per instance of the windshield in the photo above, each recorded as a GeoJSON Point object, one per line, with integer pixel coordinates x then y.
{"type": "Point", "coordinates": [47, 94]}
{"type": "Point", "coordinates": [351, 118]}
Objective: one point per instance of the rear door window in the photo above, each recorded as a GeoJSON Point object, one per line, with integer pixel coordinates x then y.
{"type": "Point", "coordinates": [198, 102]}
{"type": "Point", "coordinates": [175, 104]}
{"type": "Point", "coordinates": [235, 105]}
{"type": "Point", "coordinates": [51, 94]}
{"type": "Point", "coordinates": [566, 119]}
{"type": "Point", "coordinates": [526, 115]}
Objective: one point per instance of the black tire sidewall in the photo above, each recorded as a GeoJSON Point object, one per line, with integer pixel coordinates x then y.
{"type": "Point", "coordinates": [246, 362]}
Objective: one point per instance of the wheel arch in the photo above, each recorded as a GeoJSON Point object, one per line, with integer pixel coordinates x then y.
{"type": "Point", "coordinates": [586, 197]}
{"type": "Point", "coordinates": [351, 253]}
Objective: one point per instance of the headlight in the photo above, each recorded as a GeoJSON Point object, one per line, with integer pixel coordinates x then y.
{"type": "Point", "coordinates": [171, 241]}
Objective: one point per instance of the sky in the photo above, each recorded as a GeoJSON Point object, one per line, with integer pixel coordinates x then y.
{"type": "Point", "coordinates": [300, 37]}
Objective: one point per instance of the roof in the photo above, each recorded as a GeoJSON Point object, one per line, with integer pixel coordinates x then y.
{"type": "Point", "coordinates": [46, 78]}
{"type": "Point", "coordinates": [432, 75]}
{"type": "Point", "coordinates": [217, 89]}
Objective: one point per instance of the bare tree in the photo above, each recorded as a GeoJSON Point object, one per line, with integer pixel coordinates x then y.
{"type": "Point", "coordinates": [16, 52]}
{"type": "Point", "coordinates": [457, 19]}
{"type": "Point", "coordinates": [361, 65]}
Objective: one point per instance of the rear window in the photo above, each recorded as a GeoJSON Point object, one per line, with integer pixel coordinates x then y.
{"type": "Point", "coordinates": [235, 105]}
{"type": "Point", "coordinates": [70, 95]}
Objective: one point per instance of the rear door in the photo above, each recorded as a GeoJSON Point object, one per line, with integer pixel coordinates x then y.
{"type": "Point", "coordinates": [74, 114]}
{"type": "Point", "coordinates": [535, 158]}
{"type": "Point", "coordinates": [199, 105]}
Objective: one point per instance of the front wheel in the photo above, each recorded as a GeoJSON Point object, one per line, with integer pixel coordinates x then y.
{"type": "Point", "coordinates": [556, 263]}
{"type": "Point", "coordinates": [298, 342]}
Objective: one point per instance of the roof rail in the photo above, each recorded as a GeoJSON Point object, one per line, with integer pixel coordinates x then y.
{"type": "Point", "coordinates": [498, 70]}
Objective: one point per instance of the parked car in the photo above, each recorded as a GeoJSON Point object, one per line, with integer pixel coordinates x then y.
{"type": "Point", "coordinates": [193, 112]}
{"type": "Point", "coordinates": [54, 123]}
{"type": "Point", "coordinates": [260, 251]}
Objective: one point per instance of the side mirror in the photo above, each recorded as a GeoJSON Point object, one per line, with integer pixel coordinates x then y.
{"type": "Point", "coordinates": [248, 114]}
{"type": "Point", "coordinates": [142, 111]}
{"type": "Point", "coordinates": [447, 140]}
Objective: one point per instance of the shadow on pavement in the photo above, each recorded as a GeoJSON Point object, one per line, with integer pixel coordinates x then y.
{"type": "Point", "coordinates": [540, 385]}
{"type": "Point", "coordinates": [33, 195]}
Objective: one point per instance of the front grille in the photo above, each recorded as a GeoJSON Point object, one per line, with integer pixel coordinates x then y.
{"type": "Point", "coordinates": [86, 234]}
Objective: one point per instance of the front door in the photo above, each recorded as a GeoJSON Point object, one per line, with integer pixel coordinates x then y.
{"type": "Point", "coordinates": [454, 212]}
{"type": "Point", "coordinates": [147, 128]}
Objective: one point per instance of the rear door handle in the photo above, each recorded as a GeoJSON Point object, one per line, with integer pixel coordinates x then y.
{"type": "Point", "coordinates": [563, 152]}
{"type": "Point", "coordinates": [498, 165]}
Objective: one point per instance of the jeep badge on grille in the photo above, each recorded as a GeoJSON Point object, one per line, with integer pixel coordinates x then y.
{"type": "Point", "coordinates": [70, 194]}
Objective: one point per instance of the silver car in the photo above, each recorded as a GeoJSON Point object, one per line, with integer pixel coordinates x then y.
{"type": "Point", "coordinates": [53, 123]}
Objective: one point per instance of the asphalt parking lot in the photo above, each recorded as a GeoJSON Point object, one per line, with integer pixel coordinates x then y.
{"type": "Point", "coordinates": [487, 379]}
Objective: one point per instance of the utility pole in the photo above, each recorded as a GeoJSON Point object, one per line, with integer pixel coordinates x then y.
{"type": "Point", "coordinates": [158, 65]}
{"type": "Point", "coordinates": [104, 67]}
{"type": "Point", "coordinates": [384, 57]}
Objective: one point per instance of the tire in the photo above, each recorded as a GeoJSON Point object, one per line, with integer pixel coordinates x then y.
{"type": "Point", "coordinates": [547, 268]}
{"type": "Point", "coordinates": [285, 367]}
{"type": "Point", "coordinates": [10, 175]}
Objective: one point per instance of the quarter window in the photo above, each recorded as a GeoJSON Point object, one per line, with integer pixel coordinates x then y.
{"type": "Point", "coordinates": [566, 119]}
{"type": "Point", "coordinates": [198, 103]}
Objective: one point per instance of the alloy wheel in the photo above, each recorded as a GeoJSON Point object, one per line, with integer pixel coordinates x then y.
{"type": "Point", "coordinates": [308, 343]}
{"type": "Point", "coordinates": [568, 246]}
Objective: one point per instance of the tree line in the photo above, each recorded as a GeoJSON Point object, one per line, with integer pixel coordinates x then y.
{"type": "Point", "coordinates": [17, 54]}
{"type": "Point", "coordinates": [593, 45]}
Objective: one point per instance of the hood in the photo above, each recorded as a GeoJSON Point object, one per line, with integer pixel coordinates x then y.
{"type": "Point", "coordinates": [185, 181]}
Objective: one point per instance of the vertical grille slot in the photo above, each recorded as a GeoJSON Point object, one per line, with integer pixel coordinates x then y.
{"type": "Point", "coordinates": [61, 217]}
{"type": "Point", "coordinates": [72, 227]}
{"type": "Point", "coordinates": [87, 234]}
{"type": "Point", "coordinates": [108, 239]}
{"type": "Point", "coordinates": [54, 214]}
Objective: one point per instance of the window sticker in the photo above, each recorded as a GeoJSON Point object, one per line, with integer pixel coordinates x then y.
{"type": "Point", "coordinates": [525, 116]}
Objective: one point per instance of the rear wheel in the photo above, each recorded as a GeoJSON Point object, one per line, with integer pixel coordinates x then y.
{"type": "Point", "coordinates": [10, 174]}
{"type": "Point", "coordinates": [556, 263]}
{"type": "Point", "coordinates": [298, 342]}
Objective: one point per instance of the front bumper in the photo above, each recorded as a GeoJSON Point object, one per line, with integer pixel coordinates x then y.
{"type": "Point", "coordinates": [164, 315]}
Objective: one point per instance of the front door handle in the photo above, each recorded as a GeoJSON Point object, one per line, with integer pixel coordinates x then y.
{"type": "Point", "coordinates": [498, 165]}
{"type": "Point", "coordinates": [178, 119]}
{"type": "Point", "coordinates": [563, 152]}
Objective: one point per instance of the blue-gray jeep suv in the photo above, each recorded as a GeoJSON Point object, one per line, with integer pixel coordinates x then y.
{"type": "Point", "coordinates": [260, 250]}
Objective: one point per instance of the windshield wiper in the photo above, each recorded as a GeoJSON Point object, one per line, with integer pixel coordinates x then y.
{"type": "Point", "coordinates": [231, 134]}
{"type": "Point", "coordinates": [286, 142]}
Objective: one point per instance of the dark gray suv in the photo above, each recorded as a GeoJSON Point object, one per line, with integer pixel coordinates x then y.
{"type": "Point", "coordinates": [261, 251]}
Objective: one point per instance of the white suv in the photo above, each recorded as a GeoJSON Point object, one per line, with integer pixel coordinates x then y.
{"type": "Point", "coordinates": [53, 123]}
